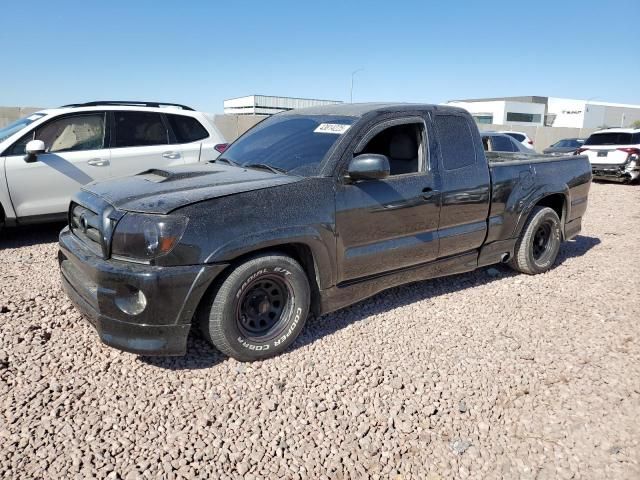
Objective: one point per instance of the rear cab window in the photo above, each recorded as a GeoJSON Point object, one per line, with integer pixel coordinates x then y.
{"type": "Point", "coordinates": [457, 147]}
{"type": "Point", "coordinates": [186, 129]}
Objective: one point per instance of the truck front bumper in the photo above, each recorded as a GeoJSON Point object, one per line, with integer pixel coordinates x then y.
{"type": "Point", "coordinates": [134, 307]}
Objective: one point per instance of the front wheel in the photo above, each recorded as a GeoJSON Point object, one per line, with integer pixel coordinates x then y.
{"type": "Point", "coordinates": [539, 244]}
{"type": "Point", "coordinates": [259, 309]}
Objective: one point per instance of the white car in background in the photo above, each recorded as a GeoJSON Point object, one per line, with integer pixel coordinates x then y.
{"type": "Point", "coordinates": [521, 137]}
{"type": "Point", "coordinates": [614, 154]}
{"type": "Point", "coordinates": [499, 142]}
{"type": "Point", "coordinates": [47, 156]}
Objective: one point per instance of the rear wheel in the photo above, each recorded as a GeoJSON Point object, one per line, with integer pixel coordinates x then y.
{"type": "Point", "coordinates": [539, 244]}
{"type": "Point", "coordinates": [259, 309]}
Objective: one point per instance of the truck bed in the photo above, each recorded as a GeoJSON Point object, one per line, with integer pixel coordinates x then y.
{"type": "Point", "coordinates": [502, 158]}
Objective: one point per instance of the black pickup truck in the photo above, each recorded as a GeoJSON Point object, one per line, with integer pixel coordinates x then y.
{"type": "Point", "coordinates": [309, 211]}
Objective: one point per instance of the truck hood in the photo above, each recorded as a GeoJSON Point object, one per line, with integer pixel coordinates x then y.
{"type": "Point", "coordinates": [163, 190]}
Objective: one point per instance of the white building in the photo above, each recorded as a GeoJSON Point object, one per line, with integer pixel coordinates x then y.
{"type": "Point", "coordinates": [503, 111]}
{"type": "Point", "coordinates": [550, 111]}
{"type": "Point", "coordinates": [566, 112]}
{"type": "Point", "coordinates": [266, 105]}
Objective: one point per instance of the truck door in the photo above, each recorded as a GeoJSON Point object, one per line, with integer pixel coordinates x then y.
{"type": "Point", "coordinates": [465, 184]}
{"type": "Point", "coordinates": [392, 223]}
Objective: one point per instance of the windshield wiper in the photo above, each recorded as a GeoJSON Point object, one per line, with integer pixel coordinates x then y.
{"type": "Point", "coordinates": [264, 166]}
{"type": "Point", "coordinates": [227, 161]}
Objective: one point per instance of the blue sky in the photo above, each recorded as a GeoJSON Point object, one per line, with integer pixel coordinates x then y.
{"type": "Point", "coordinates": [201, 52]}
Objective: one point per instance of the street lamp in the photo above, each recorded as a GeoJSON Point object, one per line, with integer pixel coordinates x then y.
{"type": "Point", "coordinates": [353, 74]}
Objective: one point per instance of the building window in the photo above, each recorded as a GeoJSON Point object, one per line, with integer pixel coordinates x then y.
{"type": "Point", "coordinates": [483, 118]}
{"type": "Point", "coordinates": [524, 117]}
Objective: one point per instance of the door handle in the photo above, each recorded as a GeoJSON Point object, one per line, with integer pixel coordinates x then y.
{"type": "Point", "coordinates": [171, 155]}
{"type": "Point", "coordinates": [98, 162]}
{"type": "Point", "coordinates": [428, 193]}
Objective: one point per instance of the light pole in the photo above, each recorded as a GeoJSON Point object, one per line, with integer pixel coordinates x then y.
{"type": "Point", "coordinates": [353, 74]}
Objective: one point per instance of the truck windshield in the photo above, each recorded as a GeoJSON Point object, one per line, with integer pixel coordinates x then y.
{"type": "Point", "coordinates": [294, 144]}
{"type": "Point", "coordinates": [18, 125]}
{"type": "Point", "coordinates": [610, 138]}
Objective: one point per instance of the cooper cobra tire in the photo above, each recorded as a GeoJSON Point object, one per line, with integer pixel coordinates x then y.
{"type": "Point", "coordinates": [259, 309]}
{"type": "Point", "coordinates": [539, 243]}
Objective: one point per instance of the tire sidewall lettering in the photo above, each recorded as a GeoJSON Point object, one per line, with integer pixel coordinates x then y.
{"type": "Point", "coordinates": [258, 273]}
{"type": "Point", "coordinates": [275, 343]}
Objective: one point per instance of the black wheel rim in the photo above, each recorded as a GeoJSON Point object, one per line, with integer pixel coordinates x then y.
{"type": "Point", "coordinates": [262, 309]}
{"type": "Point", "coordinates": [542, 241]}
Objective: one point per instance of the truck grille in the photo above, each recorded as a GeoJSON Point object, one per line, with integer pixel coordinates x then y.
{"type": "Point", "coordinates": [85, 224]}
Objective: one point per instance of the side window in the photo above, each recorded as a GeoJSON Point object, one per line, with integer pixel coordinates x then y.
{"type": "Point", "coordinates": [456, 141]}
{"type": "Point", "coordinates": [139, 129]}
{"type": "Point", "coordinates": [186, 129]}
{"type": "Point", "coordinates": [402, 144]}
{"type": "Point", "coordinates": [19, 148]}
{"type": "Point", "coordinates": [73, 133]}
{"type": "Point", "coordinates": [502, 144]}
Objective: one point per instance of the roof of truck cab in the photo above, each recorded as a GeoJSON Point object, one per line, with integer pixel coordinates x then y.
{"type": "Point", "coordinates": [361, 109]}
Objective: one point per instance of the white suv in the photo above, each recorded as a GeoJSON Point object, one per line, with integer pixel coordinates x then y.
{"type": "Point", "coordinates": [46, 157]}
{"type": "Point", "coordinates": [614, 154]}
{"type": "Point", "coordinates": [521, 137]}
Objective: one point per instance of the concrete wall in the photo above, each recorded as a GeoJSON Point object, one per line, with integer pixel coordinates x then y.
{"type": "Point", "coordinates": [232, 126]}
{"type": "Point", "coordinates": [543, 136]}
{"type": "Point", "coordinates": [11, 114]}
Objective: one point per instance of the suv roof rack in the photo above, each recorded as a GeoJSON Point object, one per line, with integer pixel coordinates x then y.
{"type": "Point", "coordinates": [126, 103]}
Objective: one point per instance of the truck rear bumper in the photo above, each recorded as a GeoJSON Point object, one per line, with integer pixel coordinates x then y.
{"type": "Point", "coordinates": [137, 308]}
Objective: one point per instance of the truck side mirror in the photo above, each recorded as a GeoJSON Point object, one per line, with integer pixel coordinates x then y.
{"type": "Point", "coordinates": [33, 149]}
{"type": "Point", "coordinates": [369, 166]}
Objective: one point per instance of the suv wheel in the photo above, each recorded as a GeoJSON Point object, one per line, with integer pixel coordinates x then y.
{"type": "Point", "coordinates": [259, 309]}
{"type": "Point", "coordinates": [539, 244]}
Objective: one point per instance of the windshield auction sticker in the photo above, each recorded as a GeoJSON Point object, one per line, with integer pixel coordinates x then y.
{"type": "Point", "coordinates": [335, 128]}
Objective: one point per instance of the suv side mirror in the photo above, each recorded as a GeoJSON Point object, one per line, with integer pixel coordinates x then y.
{"type": "Point", "coordinates": [369, 166]}
{"type": "Point", "coordinates": [33, 149]}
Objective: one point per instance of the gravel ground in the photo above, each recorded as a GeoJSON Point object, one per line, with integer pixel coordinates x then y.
{"type": "Point", "coordinates": [484, 375]}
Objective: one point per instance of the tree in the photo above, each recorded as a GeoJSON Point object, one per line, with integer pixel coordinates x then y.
{"type": "Point", "coordinates": [636, 124]}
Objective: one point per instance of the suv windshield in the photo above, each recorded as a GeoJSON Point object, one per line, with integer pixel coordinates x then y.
{"type": "Point", "coordinates": [290, 143]}
{"type": "Point", "coordinates": [18, 125]}
{"type": "Point", "coordinates": [610, 138]}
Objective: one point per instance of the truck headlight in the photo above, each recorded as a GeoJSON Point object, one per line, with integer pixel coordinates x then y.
{"type": "Point", "coordinates": [142, 238]}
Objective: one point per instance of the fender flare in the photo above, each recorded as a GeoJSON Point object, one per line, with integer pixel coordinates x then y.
{"type": "Point", "coordinates": [324, 262]}
{"type": "Point", "coordinates": [535, 198]}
